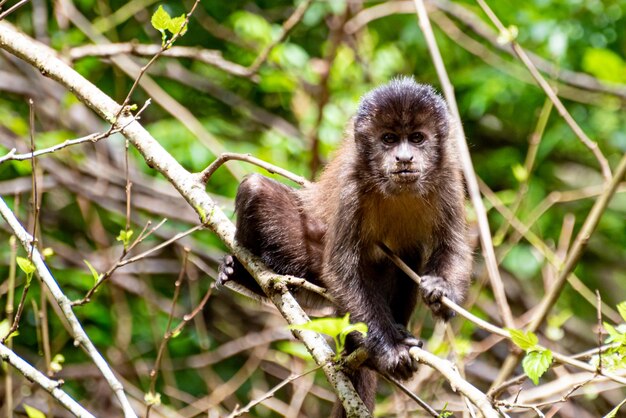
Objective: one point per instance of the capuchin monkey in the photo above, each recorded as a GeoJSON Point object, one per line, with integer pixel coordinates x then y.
{"type": "Point", "coordinates": [396, 181]}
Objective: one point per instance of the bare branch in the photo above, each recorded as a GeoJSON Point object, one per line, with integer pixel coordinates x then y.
{"type": "Point", "coordinates": [207, 56]}
{"type": "Point", "coordinates": [79, 334]}
{"type": "Point", "coordinates": [50, 386]}
{"type": "Point", "coordinates": [468, 169]}
{"type": "Point", "coordinates": [193, 191]}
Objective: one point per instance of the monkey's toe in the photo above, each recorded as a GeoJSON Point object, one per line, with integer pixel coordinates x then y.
{"type": "Point", "coordinates": [226, 270]}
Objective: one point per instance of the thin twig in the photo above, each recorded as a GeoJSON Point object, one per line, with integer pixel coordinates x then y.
{"type": "Point", "coordinates": [408, 392]}
{"type": "Point", "coordinates": [12, 8]}
{"type": "Point", "coordinates": [519, 51]}
{"type": "Point", "coordinates": [206, 174]}
{"type": "Point", "coordinates": [240, 411]}
{"type": "Point", "coordinates": [579, 245]}
{"type": "Point", "coordinates": [468, 169]}
{"type": "Point", "coordinates": [211, 57]}
{"type": "Point", "coordinates": [289, 24]}
{"type": "Point", "coordinates": [599, 325]}
{"type": "Point", "coordinates": [124, 261]}
{"type": "Point", "coordinates": [95, 137]}
{"type": "Point", "coordinates": [168, 335]}
{"type": "Point", "coordinates": [8, 381]}
{"type": "Point", "coordinates": [531, 155]}
{"type": "Point", "coordinates": [78, 333]}
{"type": "Point", "coordinates": [50, 386]}
{"type": "Point", "coordinates": [561, 358]}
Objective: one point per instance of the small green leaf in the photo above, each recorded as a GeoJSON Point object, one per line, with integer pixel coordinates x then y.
{"type": "Point", "coordinates": [520, 173]}
{"type": "Point", "coordinates": [613, 412]}
{"type": "Point", "coordinates": [614, 334]}
{"type": "Point", "coordinates": [536, 363]}
{"type": "Point", "coordinates": [337, 328]}
{"type": "Point", "coordinates": [621, 308]}
{"type": "Point", "coordinates": [133, 107]}
{"type": "Point", "coordinates": [160, 19]}
{"type": "Point", "coordinates": [33, 412]}
{"type": "Point", "coordinates": [177, 24]}
{"type": "Point", "coordinates": [294, 348]}
{"type": "Point", "coordinates": [444, 412]}
{"type": "Point", "coordinates": [56, 365]}
{"type": "Point", "coordinates": [176, 334]}
{"type": "Point", "coordinates": [152, 398]}
{"type": "Point", "coordinates": [5, 327]}
{"type": "Point", "coordinates": [524, 340]}
{"type": "Point", "coordinates": [26, 265]}
{"type": "Point", "coordinates": [93, 271]}
{"type": "Point", "coordinates": [47, 252]}
{"type": "Point", "coordinates": [124, 237]}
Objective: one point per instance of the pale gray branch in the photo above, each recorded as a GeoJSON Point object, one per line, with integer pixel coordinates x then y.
{"type": "Point", "coordinates": [48, 385]}
{"type": "Point", "coordinates": [46, 61]}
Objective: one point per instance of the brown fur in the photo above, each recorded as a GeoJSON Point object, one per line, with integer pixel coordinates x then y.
{"type": "Point", "coordinates": [395, 180]}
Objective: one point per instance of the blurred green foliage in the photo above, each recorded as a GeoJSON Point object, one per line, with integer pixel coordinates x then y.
{"type": "Point", "coordinates": [499, 108]}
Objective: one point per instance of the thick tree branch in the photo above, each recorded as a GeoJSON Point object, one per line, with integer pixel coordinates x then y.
{"type": "Point", "coordinates": [46, 61]}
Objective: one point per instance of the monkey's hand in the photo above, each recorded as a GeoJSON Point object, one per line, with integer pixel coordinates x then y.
{"type": "Point", "coordinates": [432, 289]}
{"type": "Point", "coordinates": [392, 357]}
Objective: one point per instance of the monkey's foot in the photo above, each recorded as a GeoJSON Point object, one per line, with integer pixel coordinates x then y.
{"type": "Point", "coordinates": [393, 358]}
{"type": "Point", "coordinates": [226, 270]}
{"type": "Point", "coordinates": [432, 289]}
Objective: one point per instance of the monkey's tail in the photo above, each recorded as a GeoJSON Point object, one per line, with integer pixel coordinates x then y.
{"type": "Point", "coordinates": [364, 381]}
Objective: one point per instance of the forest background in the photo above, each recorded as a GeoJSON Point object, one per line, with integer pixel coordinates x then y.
{"type": "Point", "coordinates": [540, 87]}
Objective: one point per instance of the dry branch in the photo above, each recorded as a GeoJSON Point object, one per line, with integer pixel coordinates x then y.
{"type": "Point", "coordinates": [192, 190]}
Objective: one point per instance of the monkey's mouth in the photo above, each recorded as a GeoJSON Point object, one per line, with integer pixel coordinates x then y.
{"type": "Point", "coordinates": [405, 175]}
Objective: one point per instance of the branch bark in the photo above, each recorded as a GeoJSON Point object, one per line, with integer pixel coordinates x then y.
{"type": "Point", "coordinates": [189, 186]}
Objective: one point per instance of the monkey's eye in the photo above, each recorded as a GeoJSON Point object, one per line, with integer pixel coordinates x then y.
{"type": "Point", "coordinates": [417, 137]}
{"type": "Point", "coordinates": [390, 138]}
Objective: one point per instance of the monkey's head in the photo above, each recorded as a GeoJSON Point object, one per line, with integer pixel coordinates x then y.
{"type": "Point", "coordinates": [400, 131]}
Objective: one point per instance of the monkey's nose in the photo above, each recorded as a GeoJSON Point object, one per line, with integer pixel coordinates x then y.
{"type": "Point", "coordinates": [404, 158]}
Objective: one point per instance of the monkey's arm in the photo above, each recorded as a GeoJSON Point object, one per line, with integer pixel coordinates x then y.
{"type": "Point", "coordinates": [448, 269]}
{"type": "Point", "coordinates": [360, 287]}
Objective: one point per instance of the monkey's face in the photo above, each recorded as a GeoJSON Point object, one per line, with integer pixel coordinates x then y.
{"type": "Point", "coordinates": [399, 132]}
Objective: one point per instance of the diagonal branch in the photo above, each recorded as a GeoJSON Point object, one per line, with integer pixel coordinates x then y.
{"type": "Point", "coordinates": [192, 190]}
{"type": "Point", "coordinates": [80, 337]}
{"type": "Point", "coordinates": [468, 169]}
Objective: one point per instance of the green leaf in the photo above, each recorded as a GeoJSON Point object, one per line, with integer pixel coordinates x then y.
{"type": "Point", "coordinates": [160, 19]}
{"type": "Point", "coordinates": [93, 271]}
{"type": "Point", "coordinates": [33, 412]}
{"type": "Point", "coordinates": [520, 173]}
{"type": "Point", "coordinates": [614, 334]}
{"type": "Point", "coordinates": [124, 237]}
{"type": "Point", "coordinates": [338, 328]}
{"type": "Point", "coordinates": [613, 412]}
{"type": "Point", "coordinates": [294, 348]}
{"type": "Point", "coordinates": [524, 340]}
{"type": "Point", "coordinates": [621, 308]}
{"type": "Point", "coordinates": [56, 365]}
{"type": "Point", "coordinates": [604, 64]}
{"type": "Point", "coordinates": [26, 265]}
{"type": "Point", "coordinates": [5, 327]}
{"type": "Point", "coordinates": [327, 326]}
{"type": "Point", "coordinates": [536, 363]}
{"type": "Point", "coordinates": [177, 24]}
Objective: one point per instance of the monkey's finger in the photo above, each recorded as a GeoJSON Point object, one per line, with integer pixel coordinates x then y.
{"type": "Point", "coordinates": [412, 341]}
